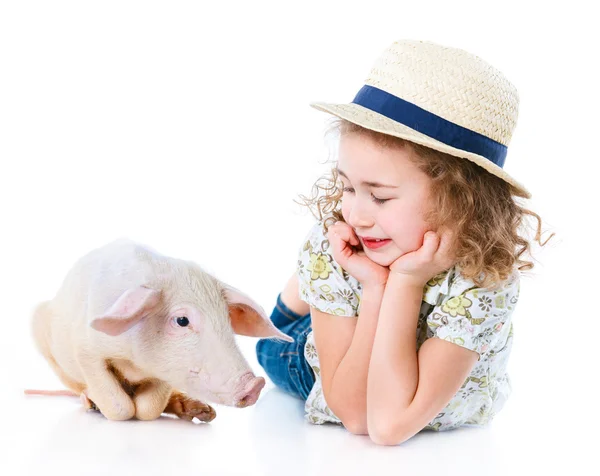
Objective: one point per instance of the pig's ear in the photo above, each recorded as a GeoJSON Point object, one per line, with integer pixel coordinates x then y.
{"type": "Point", "coordinates": [128, 310]}
{"type": "Point", "coordinates": [248, 318]}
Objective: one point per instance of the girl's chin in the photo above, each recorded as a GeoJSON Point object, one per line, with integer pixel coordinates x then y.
{"type": "Point", "coordinates": [383, 259]}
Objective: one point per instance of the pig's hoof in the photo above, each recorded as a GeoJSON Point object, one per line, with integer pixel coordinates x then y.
{"type": "Point", "coordinates": [188, 409]}
{"type": "Point", "coordinates": [87, 403]}
{"type": "Point", "coordinates": [195, 409]}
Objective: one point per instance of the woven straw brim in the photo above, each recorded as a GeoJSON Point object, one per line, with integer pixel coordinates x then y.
{"type": "Point", "coordinates": [372, 120]}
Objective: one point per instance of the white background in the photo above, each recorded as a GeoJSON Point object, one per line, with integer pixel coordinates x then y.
{"type": "Point", "coordinates": [186, 125]}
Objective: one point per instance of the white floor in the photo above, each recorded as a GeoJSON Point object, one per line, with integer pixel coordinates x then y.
{"type": "Point", "coordinates": [54, 435]}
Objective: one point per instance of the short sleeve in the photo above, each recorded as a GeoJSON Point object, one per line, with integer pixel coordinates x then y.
{"type": "Point", "coordinates": [477, 318]}
{"type": "Point", "coordinates": [323, 283]}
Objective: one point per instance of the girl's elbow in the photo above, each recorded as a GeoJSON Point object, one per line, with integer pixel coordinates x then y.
{"type": "Point", "coordinates": [350, 414]}
{"type": "Point", "coordinates": [356, 425]}
{"type": "Point", "coordinates": [385, 433]}
{"type": "Point", "coordinates": [353, 420]}
{"type": "Point", "coordinates": [385, 438]}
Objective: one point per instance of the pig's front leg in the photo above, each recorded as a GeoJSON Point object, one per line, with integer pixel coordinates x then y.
{"type": "Point", "coordinates": [151, 397]}
{"type": "Point", "coordinates": [105, 390]}
{"type": "Point", "coordinates": [187, 408]}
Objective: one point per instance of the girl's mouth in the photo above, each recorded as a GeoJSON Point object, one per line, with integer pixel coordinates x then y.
{"type": "Point", "coordinates": [375, 244]}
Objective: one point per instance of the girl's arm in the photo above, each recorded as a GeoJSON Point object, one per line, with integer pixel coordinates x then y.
{"type": "Point", "coordinates": [405, 390]}
{"type": "Point", "coordinates": [344, 349]}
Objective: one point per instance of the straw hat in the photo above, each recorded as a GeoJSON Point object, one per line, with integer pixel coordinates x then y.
{"type": "Point", "coordinates": [441, 97]}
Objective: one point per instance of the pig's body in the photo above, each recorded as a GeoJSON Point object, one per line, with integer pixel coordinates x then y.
{"type": "Point", "coordinates": [114, 332]}
{"type": "Point", "coordinates": [93, 284]}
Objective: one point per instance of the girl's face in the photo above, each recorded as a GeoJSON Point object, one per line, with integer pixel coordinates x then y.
{"type": "Point", "coordinates": [404, 188]}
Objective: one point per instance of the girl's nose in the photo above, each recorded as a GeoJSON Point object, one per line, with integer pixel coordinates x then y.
{"type": "Point", "coordinates": [358, 217]}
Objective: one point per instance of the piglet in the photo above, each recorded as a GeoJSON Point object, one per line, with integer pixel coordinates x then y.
{"type": "Point", "coordinates": [137, 334]}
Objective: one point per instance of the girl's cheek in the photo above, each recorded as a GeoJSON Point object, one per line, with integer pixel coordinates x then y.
{"type": "Point", "coordinates": [345, 210]}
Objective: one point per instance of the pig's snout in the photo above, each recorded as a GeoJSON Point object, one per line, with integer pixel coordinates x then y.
{"type": "Point", "coordinates": [252, 387]}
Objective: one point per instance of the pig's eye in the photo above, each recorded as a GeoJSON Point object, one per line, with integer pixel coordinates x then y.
{"type": "Point", "coordinates": [183, 321]}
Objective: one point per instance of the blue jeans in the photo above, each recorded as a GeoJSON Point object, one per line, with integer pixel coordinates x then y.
{"type": "Point", "coordinates": [284, 362]}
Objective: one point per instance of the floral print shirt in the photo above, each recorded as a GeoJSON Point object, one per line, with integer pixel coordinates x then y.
{"type": "Point", "coordinates": [453, 308]}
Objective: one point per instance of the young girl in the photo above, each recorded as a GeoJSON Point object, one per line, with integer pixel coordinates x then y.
{"type": "Point", "coordinates": [417, 236]}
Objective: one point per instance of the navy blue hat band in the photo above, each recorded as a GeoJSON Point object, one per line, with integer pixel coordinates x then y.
{"type": "Point", "coordinates": [430, 124]}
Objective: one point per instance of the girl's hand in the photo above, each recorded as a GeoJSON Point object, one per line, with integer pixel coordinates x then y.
{"type": "Point", "coordinates": [434, 256]}
{"type": "Point", "coordinates": [343, 240]}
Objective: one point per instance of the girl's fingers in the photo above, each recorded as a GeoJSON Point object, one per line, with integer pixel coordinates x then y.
{"type": "Point", "coordinates": [344, 232]}
{"type": "Point", "coordinates": [445, 248]}
{"type": "Point", "coordinates": [431, 243]}
{"type": "Point", "coordinates": [347, 233]}
{"type": "Point", "coordinates": [338, 243]}
{"type": "Point", "coordinates": [342, 239]}
{"type": "Point", "coordinates": [447, 241]}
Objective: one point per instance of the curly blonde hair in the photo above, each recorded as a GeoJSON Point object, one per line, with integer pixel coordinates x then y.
{"type": "Point", "coordinates": [481, 209]}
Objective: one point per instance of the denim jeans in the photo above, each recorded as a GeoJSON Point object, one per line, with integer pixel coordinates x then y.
{"type": "Point", "coordinates": [284, 362]}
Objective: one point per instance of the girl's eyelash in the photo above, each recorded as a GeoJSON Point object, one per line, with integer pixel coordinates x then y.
{"type": "Point", "coordinates": [379, 200]}
{"type": "Point", "coordinates": [375, 199]}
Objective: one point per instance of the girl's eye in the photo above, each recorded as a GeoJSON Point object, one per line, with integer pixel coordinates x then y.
{"type": "Point", "coordinates": [379, 200]}
{"type": "Point", "coordinates": [183, 321]}
{"type": "Point", "coordinates": [375, 199]}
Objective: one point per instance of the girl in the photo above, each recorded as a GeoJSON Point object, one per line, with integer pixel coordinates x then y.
{"type": "Point", "coordinates": [417, 235]}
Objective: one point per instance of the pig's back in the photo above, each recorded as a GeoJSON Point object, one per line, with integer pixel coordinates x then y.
{"type": "Point", "coordinates": [90, 287]}
{"type": "Point", "coordinates": [94, 277]}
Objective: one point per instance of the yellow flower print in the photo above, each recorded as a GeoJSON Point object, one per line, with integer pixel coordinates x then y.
{"type": "Point", "coordinates": [307, 245]}
{"type": "Point", "coordinates": [437, 280]}
{"type": "Point", "coordinates": [339, 311]}
{"type": "Point", "coordinates": [457, 306]}
{"type": "Point", "coordinates": [500, 301]}
{"type": "Point", "coordinates": [455, 340]}
{"type": "Point", "coordinates": [319, 267]}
